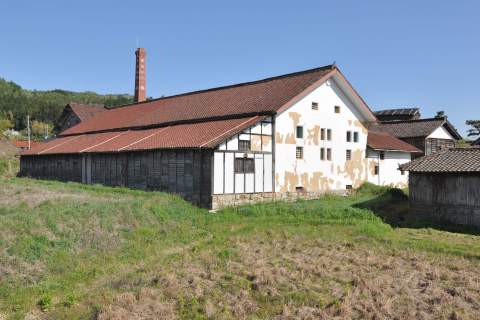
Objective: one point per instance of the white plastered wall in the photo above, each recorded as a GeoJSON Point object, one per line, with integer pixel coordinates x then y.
{"type": "Point", "coordinates": [440, 133]}
{"type": "Point", "coordinates": [311, 173]}
{"type": "Point", "coordinates": [388, 173]}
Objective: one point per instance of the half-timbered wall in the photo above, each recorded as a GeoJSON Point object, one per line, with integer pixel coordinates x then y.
{"type": "Point", "coordinates": [254, 143]}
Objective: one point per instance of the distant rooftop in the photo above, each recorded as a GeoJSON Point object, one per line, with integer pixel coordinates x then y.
{"type": "Point", "coordinates": [400, 111]}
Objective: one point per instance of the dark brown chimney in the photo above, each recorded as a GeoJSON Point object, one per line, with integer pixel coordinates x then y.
{"type": "Point", "coordinates": [140, 79]}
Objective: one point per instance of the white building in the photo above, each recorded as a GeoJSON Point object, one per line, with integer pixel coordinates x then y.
{"type": "Point", "coordinates": [297, 135]}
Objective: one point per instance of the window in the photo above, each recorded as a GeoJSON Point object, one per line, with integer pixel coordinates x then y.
{"type": "Point", "coordinates": [299, 153]}
{"type": "Point", "coordinates": [348, 187]}
{"type": "Point", "coordinates": [329, 154]}
{"type": "Point", "coordinates": [314, 105]}
{"type": "Point", "coordinates": [337, 109]}
{"type": "Point", "coordinates": [322, 134]}
{"type": "Point", "coordinates": [322, 153]}
{"type": "Point", "coordinates": [376, 171]}
{"type": "Point", "coordinates": [329, 134]}
{"type": "Point", "coordinates": [299, 132]}
{"type": "Point", "coordinates": [349, 136]}
{"type": "Point", "coordinates": [349, 155]}
{"type": "Point", "coordinates": [244, 165]}
{"type": "Point", "coordinates": [243, 145]}
{"type": "Point", "coordinates": [299, 189]}
{"type": "Point", "coordinates": [402, 172]}
{"type": "Point", "coordinates": [355, 137]}
{"type": "Point", "coordinates": [382, 155]}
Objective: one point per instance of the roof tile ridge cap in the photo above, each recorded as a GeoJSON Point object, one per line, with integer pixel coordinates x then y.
{"type": "Point", "coordinates": [240, 84]}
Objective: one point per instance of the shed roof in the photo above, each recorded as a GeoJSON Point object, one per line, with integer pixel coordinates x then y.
{"type": "Point", "coordinates": [385, 141]}
{"type": "Point", "coordinates": [415, 128]}
{"type": "Point", "coordinates": [452, 160]}
{"type": "Point", "coordinates": [192, 135]}
{"type": "Point", "coordinates": [260, 97]}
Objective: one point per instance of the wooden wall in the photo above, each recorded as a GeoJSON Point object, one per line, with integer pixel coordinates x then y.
{"type": "Point", "coordinates": [450, 197]}
{"type": "Point", "coordinates": [183, 172]}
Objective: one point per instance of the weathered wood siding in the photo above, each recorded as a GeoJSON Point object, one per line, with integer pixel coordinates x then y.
{"type": "Point", "coordinates": [183, 172]}
{"type": "Point", "coordinates": [450, 197]}
{"type": "Point", "coordinates": [52, 167]}
{"type": "Point", "coordinates": [433, 145]}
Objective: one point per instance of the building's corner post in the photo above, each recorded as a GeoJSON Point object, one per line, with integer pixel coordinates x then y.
{"type": "Point", "coordinates": [274, 147]}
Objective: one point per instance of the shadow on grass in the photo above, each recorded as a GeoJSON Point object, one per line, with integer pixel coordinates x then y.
{"type": "Point", "coordinates": [392, 207]}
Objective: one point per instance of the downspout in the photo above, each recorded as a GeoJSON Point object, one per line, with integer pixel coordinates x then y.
{"type": "Point", "coordinates": [274, 147]}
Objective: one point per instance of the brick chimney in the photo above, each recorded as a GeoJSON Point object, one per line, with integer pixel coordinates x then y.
{"type": "Point", "coordinates": [140, 78]}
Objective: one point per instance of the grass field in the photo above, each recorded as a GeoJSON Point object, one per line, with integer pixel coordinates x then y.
{"type": "Point", "coordinates": [70, 251]}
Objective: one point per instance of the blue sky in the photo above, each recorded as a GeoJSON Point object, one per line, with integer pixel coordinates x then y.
{"type": "Point", "coordinates": [395, 53]}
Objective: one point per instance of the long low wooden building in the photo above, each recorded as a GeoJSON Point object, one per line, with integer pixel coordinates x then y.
{"type": "Point", "coordinates": [445, 186]}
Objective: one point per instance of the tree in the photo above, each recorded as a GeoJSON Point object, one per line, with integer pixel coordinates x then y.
{"type": "Point", "coordinates": [5, 124]}
{"type": "Point", "coordinates": [475, 128]}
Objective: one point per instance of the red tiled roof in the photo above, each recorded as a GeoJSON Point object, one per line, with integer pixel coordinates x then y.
{"type": "Point", "coordinates": [193, 135]}
{"type": "Point", "coordinates": [385, 141]}
{"type": "Point", "coordinates": [451, 160]}
{"type": "Point", "coordinates": [252, 98]}
{"type": "Point", "coordinates": [24, 143]}
{"type": "Point", "coordinates": [86, 111]}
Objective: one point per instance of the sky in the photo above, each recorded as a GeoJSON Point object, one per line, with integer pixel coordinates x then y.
{"type": "Point", "coordinates": [405, 53]}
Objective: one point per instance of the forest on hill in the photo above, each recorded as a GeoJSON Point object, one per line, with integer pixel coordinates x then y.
{"type": "Point", "coordinates": [44, 107]}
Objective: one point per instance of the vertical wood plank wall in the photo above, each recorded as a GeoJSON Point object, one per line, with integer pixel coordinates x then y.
{"type": "Point", "coordinates": [183, 172]}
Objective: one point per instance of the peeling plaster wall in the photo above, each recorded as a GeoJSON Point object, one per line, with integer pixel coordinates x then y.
{"type": "Point", "coordinates": [311, 173]}
{"type": "Point", "coordinates": [388, 174]}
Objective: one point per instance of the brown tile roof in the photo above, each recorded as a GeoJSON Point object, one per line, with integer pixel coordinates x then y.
{"type": "Point", "coordinates": [251, 98]}
{"type": "Point", "coordinates": [192, 135]}
{"type": "Point", "coordinates": [385, 141]}
{"type": "Point", "coordinates": [414, 128]}
{"type": "Point", "coordinates": [452, 160]}
{"type": "Point", "coordinates": [86, 111]}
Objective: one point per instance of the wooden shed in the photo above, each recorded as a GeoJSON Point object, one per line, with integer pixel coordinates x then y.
{"type": "Point", "coordinates": [445, 186]}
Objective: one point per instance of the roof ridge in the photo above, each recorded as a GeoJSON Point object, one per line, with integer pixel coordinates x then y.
{"type": "Point", "coordinates": [412, 120]}
{"type": "Point", "coordinates": [240, 84]}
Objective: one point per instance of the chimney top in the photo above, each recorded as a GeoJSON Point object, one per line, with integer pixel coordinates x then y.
{"type": "Point", "coordinates": [140, 77]}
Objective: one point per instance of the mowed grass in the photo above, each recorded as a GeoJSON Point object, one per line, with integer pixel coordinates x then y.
{"type": "Point", "coordinates": [71, 251]}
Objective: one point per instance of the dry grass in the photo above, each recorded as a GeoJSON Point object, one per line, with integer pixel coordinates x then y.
{"type": "Point", "coordinates": [296, 277]}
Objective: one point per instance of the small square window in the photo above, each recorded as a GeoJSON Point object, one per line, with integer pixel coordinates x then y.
{"type": "Point", "coordinates": [348, 187]}
{"type": "Point", "coordinates": [376, 170]}
{"type": "Point", "coordinates": [299, 132]}
{"type": "Point", "coordinates": [299, 153]}
{"type": "Point", "coordinates": [299, 189]}
{"type": "Point", "coordinates": [382, 155]}
{"type": "Point", "coordinates": [322, 153]}
{"type": "Point", "coordinates": [329, 134]}
{"type": "Point", "coordinates": [314, 105]}
{"type": "Point", "coordinates": [243, 145]}
{"type": "Point", "coordinates": [349, 136]}
{"type": "Point", "coordinates": [337, 109]}
{"type": "Point", "coordinates": [349, 155]}
{"type": "Point", "coordinates": [322, 134]}
{"type": "Point", "coordinates": [244, 165]}
{"type": "Point", "coordinates": [329, 154]}
{"type": "Point", "coordinates": [355, 137]}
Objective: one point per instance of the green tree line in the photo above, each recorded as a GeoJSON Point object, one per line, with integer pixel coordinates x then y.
{"type": "Point", "coordinates": [45, 106]}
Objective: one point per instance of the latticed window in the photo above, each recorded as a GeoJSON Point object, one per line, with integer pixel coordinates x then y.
{"type": "Point", "coordinates": [244, 165]}
{"type": "Point", "coordinates": [322, 153]}
{"type": "Point", "coordinates": [314, 105]}
{"type": "Point", "coordinates": [322, 134]}
{"type": "Point", "coordinates": [299, 153]}
{"type": "Point", "coordinates": [329, 134]}
{"type": "Point", "coordinates": [329, 154]}
{"type": "Point", "coordinates": [349, 155]}
{"type": "Point", "coordinates": [244, 145]}
{"type": "Point", "coordinates": [349, 136]}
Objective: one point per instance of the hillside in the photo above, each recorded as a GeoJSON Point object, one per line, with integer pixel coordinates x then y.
{"type": "Point", "coordinates": [46, 106]}
{"type": "Point", "coordinates": [71, 251]}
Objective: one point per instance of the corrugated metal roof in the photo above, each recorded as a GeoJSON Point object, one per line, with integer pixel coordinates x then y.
{"type": "Point", "coordinates": [452, 160]}
{"type": "Point", "coordinates": [385, 141]}
{"type": "Point", "coordinates": [258, 97]}
{"type": "Point", "coordinates": [193, 135]}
